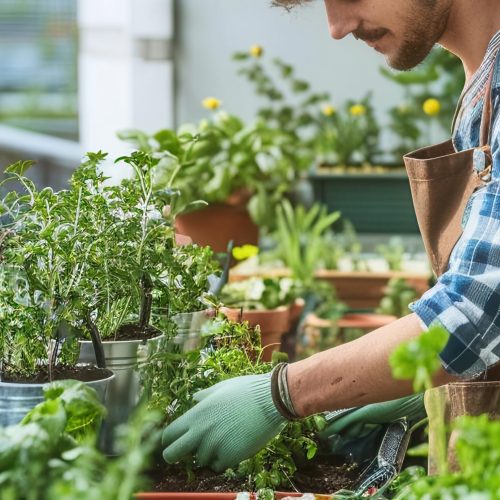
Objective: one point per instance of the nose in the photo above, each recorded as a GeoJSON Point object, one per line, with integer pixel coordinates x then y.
{"type": "Point", "coordinates": [341, 18]}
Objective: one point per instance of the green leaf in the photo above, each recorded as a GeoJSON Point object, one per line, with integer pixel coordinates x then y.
{"type": "Point", "coordinates": [20, 167]}
{"type": "Point", "coordinates": [418, 359]}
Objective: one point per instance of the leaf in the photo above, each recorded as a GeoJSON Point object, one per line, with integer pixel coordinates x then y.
{"type": "Point", "coordinates": [20, 167]}
{"type": "Point", "coordinates": [418, 359]}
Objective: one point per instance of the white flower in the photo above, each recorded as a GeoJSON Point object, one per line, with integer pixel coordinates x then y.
{"type": "Point", "coordinates": [255, 289]}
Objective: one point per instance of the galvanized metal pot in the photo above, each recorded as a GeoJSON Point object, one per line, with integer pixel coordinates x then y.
{"type": "Point", "coordinates": [189, 325]}
{"type": "Point", "coordinates": [18, 399]}
{"type": "Point", "coordinates": [124, 392]}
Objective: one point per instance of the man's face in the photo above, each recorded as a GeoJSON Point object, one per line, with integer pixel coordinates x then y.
{"type": "Point", "coordinates": [403, 30]}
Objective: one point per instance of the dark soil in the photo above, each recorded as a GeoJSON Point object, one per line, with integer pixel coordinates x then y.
{"type": "Point", "coordinates": [81, 373]}
{"type": "Point", "coordinates": [133, 331]}
{"type": "Point", "coordinates": [322, 477]}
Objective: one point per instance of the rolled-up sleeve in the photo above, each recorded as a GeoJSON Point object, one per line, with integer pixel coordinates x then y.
{"type": "Point", "coordinates": [466, 299]}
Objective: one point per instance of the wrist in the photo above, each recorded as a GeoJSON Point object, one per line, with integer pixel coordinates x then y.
{"type": "Point", "coordinates": [280, 392]}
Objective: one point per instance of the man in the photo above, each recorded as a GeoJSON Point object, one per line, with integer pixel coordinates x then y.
{"type": "Point", "coordinates": [235, 418]}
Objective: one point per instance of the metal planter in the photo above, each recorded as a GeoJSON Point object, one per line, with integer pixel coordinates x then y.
{"type": "Point", "coordinates": [18, 399]}
{"type": "Point", "coordinates": [122, 357]}
{"type": "Point", "coordinates": [188, 337]}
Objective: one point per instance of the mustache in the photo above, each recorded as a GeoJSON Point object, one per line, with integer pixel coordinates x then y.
{"type": "Point", "coordinates": [369, 35]}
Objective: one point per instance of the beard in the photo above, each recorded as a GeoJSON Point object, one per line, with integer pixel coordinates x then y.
{"type": "Point", "coordinates": [425, 25]}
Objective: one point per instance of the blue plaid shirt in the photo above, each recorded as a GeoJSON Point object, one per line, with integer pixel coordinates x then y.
{"type": "Point", "coordinates": [466, 299]}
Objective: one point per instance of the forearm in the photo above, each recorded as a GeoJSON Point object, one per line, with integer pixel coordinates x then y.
{"type": "Point", "coordinates": [356, 373]}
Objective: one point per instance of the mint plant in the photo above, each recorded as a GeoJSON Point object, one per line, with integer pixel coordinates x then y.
{"type": "Point", "coordinates": [230, 349]}
{"type": "Point", "coordinates": [52, 452]}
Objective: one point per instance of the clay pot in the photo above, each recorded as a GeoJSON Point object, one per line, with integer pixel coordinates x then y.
{"type": "Point", "coordinates": [273, 324]}
{"type": "Point", "coordinates": [365, 321]}
{"type": "Point", "coordinates": [217, 224]}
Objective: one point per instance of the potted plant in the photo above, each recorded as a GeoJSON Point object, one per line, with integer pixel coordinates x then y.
{"type": "Point", "coordinates": [41, 283]}
{"type": "Point", "coordinates": [308, 251]}
{"type": "Point", "coordinates": [228, 175]}
{"type": "Point", "coordinates": [52, 452]}
{"type": "Point", "coordinates": [266, 302]}
{"type": "Point", "coordinates": [130, 267]}
{"type": "Point", "coordinates": [230, 349]}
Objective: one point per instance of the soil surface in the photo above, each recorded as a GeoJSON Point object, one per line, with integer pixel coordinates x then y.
{"type": "Point", "coordinates": [320, 477]}
{"type": "Point", "coordinates": [81, 373]}
{"type": "Point", "coordinates": [133, 331]}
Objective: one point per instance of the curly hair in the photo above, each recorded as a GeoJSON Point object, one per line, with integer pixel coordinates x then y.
{"type": "Point", "coordinates": [288, 4]}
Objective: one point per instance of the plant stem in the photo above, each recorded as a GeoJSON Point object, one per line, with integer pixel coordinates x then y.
{"type": "Point", "coordinates": [96, 342]}
{"type": "Point", "coordinates": [146, 301]}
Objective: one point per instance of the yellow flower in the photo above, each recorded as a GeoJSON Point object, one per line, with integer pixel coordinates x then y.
{"type": "Point", "coordinates": [245, 252]}
{"type": "Point", "coordinates": [211, 103]}
{"type": "Point", "coordinates": [256, 51]}
{"type": "Point", "coordinates": [328, 110]}
{"type": "Point", "coordinates": [357, 110]}
{"type": "Point", "coordinates": [431, 107]}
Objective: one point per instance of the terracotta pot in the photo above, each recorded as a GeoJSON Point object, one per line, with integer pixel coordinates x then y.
{"type": "Point", "coordinates": [217, 224]}
{"type": "Point", "coordinates": [207, 496]}
{"type": "Point", "coordinates": [313, 327]}
{"type": "Point", "coordinates": [365, 290]}
{"type": "Point", "coordinates": [273, 324]}
{"type": "Point", "coordinates": [365, 321]}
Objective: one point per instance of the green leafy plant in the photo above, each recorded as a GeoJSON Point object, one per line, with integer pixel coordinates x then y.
{"type": "Point", "coordinates": [476, 437]}
{"type": "Point", "coordinates": [229, 350]}
{"type": "Point", "coordinates": [40, 457]}
{"type": "Point", "coordinates": [418, 359]}
{"type": "Point", "coordinates": [260, 293]}
{"type": "Point", "coordinates": [347, 136]}
{"type": "Point", "coordinates": [393, 253]}
{"type": "Point", "coordinates": [97, 257]}
{"type": "Point", "coordinates": [398, 295]}
{"type": "Point", "coordinates": [222, 160]}
{"type": "Point", "coordinates": [321, 132]}
{"type": "Point", "coordinates": [300, 234]}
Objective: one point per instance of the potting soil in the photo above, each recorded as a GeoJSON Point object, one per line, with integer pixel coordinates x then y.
{"type": "Point", "coordinates": [319, 477]}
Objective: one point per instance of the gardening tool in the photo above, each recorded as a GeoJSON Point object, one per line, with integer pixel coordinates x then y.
{"type": "Point", "coordinates": [217, 283]}
{"type": "Point", "coordinates": [385, 427]}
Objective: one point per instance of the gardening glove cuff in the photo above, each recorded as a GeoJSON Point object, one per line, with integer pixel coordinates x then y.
{"type": "Point", "coordinates": [280, 393]}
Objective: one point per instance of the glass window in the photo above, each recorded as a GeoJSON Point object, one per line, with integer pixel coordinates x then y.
{"type": "Point", "coordinates": [38, 66]}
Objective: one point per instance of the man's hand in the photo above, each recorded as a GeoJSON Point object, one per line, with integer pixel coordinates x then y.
{"type": "Point", "coordinates": [231, 421]}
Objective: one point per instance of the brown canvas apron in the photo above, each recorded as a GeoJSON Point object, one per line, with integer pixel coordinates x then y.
{"type": "Point", "coordinates": [442, 181]}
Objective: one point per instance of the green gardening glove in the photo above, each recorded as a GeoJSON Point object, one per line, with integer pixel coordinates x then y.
{"type": "Point", "coordinates": [231, 421]}
{"type": "Point", "coordinates": [358, 423]}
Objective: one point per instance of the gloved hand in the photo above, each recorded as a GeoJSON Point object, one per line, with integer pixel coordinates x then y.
{"type": "Point", "coordinates": [343, 431]}
{"type": "Point", "coordinates": [231, 421]}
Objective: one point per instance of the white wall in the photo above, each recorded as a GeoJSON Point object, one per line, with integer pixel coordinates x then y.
{"type": "Point", "coordinates": [209, 31]}
{"type": "Point", "coordinates": [125, 69]}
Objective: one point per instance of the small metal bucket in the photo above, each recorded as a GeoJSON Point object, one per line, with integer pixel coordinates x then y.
{"type": "Point", "coordinates": [18, 399]}
{"type": "Point", "coordinates": [189, 325]}
{"type": "Point", "coordinates": [122, 357]}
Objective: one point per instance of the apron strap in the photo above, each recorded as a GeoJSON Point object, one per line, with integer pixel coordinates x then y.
{"type": "Point", "coordinates": [487, 113]}
{"type": "Point", "coordinates": [487, 118]}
